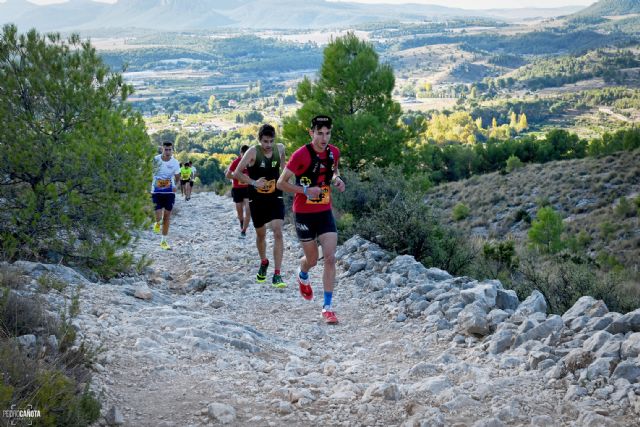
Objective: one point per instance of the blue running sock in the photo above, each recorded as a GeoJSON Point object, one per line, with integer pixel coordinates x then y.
{"type": "Point", "coordinates": [327, 299]}
{"type": "Point", "coordinates": [304, 275]}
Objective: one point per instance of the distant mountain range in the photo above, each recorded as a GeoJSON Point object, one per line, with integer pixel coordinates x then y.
{"type": "Point", "coordinates": [180, 15]}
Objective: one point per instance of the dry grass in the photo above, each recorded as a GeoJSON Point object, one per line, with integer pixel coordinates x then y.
{"type": "Point", "coordinates": [585, 192]}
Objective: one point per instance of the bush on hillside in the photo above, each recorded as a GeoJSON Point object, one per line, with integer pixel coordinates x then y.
{"type": "Point", "coordinates": [460, 212]}
{"type": "Point", "coordinates": [546, 231]}
{"type": "Point", "coordinates": [564, 279]}
{"type": "Point", "coordinates": [75, 159]}
{"type": "Point", "coordinates": [384, 207]}
{"type": "Point", "coordinates": [513, 163]}
{"type": "Point", "coordinates": [49, 375]}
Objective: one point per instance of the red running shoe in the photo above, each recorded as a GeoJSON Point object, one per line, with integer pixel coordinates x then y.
{"type": "Point", "coordinates": [305, 288]}
{"type": "Point", "coordinates": [329, 316]}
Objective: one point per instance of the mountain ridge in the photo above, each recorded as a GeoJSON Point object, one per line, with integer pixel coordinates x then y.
{"type": "Point", "coordinates": [609, 8]}
{"type": "Point", "coordinates": [180, 15]}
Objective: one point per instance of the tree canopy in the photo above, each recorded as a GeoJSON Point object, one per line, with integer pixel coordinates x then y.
{"type": "Point", "coordinates": [355, 90]}
{"type": "Point", "coordinates": [75, 160]}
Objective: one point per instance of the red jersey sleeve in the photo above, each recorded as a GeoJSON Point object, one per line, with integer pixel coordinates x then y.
{"type": "Point", "coordinates": [232, 168]}
{"type": "Point", "coordinates": [299, 161]}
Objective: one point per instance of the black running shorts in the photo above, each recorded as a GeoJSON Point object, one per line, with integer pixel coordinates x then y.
{"type": "Point", "coordinates": [164, 200]}
{"type": "Point", "coordinates": [311, 225]}
{"type": "Point", "coordinates": [240, 194]}
{"type": "Point", "coordinates": [266, 210]}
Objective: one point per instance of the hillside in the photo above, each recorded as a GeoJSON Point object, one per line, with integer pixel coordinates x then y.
{"type": "Point", "coordinates": [585, 192]}
{"type": "Point", "coordinates": [609, 8]}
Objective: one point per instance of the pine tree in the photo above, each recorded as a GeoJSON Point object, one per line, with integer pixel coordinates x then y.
{"type": "Point", "coordinates": [546, 231]}
{"type": "Point", "coordinates": [356, 91]}
{"type": "Point", "coordinates": [75, 159]}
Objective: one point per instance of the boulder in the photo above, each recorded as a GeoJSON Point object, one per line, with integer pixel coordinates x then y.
{"type": "Point", "coordinates": [585, 306]}
{"type": "Point", "coordinates": [472, 320]}
{"type": "Point", "coordinates": [629, 322]}
{"type": "Point", "coordinates": [535, 303]}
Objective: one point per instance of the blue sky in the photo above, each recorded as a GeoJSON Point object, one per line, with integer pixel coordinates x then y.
{"type": "Point", "coordinates": [465, 4]}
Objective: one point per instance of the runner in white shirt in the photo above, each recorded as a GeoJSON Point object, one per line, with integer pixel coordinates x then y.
{"type": "Point", "coordinates": [166, 172]}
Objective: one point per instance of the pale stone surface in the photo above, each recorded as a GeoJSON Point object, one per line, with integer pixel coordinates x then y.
{"type": "Point", "coordinates": [414, 346]}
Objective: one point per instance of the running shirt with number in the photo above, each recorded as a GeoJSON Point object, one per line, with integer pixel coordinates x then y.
{"type": "Point", "coordinates": [185, 173]}
{"type": "Point", "coordinates": [299, 162]}
{"type": "Point", "coordinates": [269, 169]}
{"type": "Point", "coordinates": [232, 168]}
{"type": "Point", "coordinates": [164, 174]}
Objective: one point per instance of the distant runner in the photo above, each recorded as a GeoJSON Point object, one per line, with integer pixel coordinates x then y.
{"type": "Point", "coordinates": [185, 180]}
{"type": "Point", "coordinates": [265, 200]}
{"type": "Point", "coordinates": [240, 194]}
{"type": "Point", "coordinates": [315, 167]}
{"type": "Point", "coordinates": [166, 173]}
{"type": "Point", "coordinates": [193, 178]}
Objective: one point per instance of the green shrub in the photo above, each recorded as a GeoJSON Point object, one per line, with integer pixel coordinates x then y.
{"type": "Point", "coordinates": [460, 212]}
{"type": "Point", "coordinates": [20, 315]}
{"type": "Point", "coordinates": [10, 278]}
{"type": "Point", "coordinates": [74, 307]}
{"type": "Point", "coordinates": [513, 163]}
{"type": "Point", "coordinates": [579, 242]}
{"type": "Point", "coordinates": [543, 202]}
{"type": "Point", "coordinates": [607, 230]}
{"type": "Point", "coordinates": [365, 190]}
{"type": "Point", "coordinates": [405, 225]}
{"type": "Point", "coordinates": [49, 281]}
{"type": "Point", "coordinates": [345, 223]}
{"type": "Point", "coordinates": [624, 208]}
{"type": "Point", "coordinates": [522, 215]}
{"type": "Point", "coordinates": [563, 279]}
{"type": "Point", "coordinates": [546, 231]}
{"type": "Point", "coordinates": [48, 381]}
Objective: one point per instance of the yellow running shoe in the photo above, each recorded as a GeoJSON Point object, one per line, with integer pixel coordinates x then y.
{"type": "Point", "coordinates": [277, 281]}
{"type": "Point", "coordinates": [156, 228]}
{"type": "Point", "coordinates": [165, 245]}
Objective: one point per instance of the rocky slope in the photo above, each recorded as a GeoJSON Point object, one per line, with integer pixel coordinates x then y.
{"type": "Point", "coordinates": [195, 341]}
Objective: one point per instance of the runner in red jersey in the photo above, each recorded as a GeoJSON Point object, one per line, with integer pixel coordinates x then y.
{"type": "Point", "coordinates": [315, 167]}
{"type": "Point", "coordinates": [240, 193]}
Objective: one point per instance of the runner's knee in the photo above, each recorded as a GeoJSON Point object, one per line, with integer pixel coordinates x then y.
{"type": "Point", "coordinates": [330, 258]}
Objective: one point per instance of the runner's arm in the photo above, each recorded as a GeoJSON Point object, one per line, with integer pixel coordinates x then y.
{"type": "Point", "coordinates": [337, 180]}
{"type": "Point", "coordinates": [228, 173]}
{"type": "Point", "coordinates": [283, 158]}
{"type": "Point", "coordinates": [248, 158]}
{"type": "Point", "coordinates": [284, 185]}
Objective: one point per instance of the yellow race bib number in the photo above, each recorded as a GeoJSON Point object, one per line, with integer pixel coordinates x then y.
{"type": "Point", "coordinates": [323, 199]}
{"type": "Point", "coordinates": [163, 183]}
{"type": "Point", "coordinates": [268, 188]}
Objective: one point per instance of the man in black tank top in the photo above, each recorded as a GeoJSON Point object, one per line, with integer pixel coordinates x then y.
{"type": "Point", "coordinates": [264, 163]}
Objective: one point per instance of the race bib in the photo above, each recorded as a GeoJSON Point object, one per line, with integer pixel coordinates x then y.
{"type": "Point", "coordinates": [162, 185]}
{"type": "Point", "coordinates": [323, 199]}
{"type": "Point", "coordinates": [268, 188]}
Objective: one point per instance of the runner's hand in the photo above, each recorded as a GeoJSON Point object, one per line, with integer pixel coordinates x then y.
{"type": "Point", "coordinates": [313, 192]}
{"type": "Point", "coordinates": [339, 184]}
{"type": "Point", "coordinates": [260, 182]}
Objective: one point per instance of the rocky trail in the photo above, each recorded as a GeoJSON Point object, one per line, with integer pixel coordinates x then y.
{"type": "Point", "coordinates": [195, 341]}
